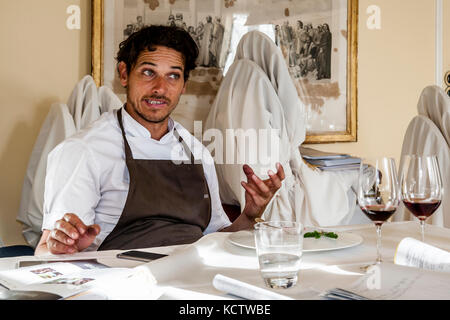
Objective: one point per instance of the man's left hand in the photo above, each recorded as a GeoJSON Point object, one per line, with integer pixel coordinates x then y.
{"type": "Point", "coordinates": [259, 192]}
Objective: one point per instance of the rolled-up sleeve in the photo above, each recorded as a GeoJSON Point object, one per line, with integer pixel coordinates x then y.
{"type": "Point", "coordinates": [71, 184]}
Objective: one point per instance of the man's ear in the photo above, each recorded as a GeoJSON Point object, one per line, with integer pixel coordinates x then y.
{"type": "Point", "coordinates": [123, 73]}
{"type": "Point", "coordinates": [184, 88]}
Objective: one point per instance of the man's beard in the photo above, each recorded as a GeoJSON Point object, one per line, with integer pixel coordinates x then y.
{"type": "Point", "coordinates": [150, 120]}
{"type": "Point", "coordinates": [143, 116]}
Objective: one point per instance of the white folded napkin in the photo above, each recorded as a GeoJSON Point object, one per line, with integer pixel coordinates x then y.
{"type": "Point", "coordinates": [245, 290]}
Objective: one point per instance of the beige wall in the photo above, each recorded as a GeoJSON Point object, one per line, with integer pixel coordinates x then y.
{"type": "Point", "coordinates": [41, 61]}
{"type": "Point", "coordinates": [395, 64]}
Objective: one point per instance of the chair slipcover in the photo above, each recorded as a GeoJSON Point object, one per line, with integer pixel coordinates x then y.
{"type": "Point", "coordinates": [257, 93]}
{"type": "Point", "coordinates": [423, 137]}
{"type": "Point", "coordinates": [63, 120]}
{"type": "Point", "coordinates": [434, 103]}
{"type": "Point", "coordinates": [57, 126]}
{"type": "Point", "coordinates": [83, 103]}
{"type": "Point", "coordinates": [108, 100]}
{"type": "Point", "coordinates": [259, 48]}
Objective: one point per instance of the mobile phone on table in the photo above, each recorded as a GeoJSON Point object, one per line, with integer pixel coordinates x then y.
{"type": "Point", "coordinates": [140, 255]}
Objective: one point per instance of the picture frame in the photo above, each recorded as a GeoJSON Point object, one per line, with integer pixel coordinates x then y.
{"type": "Point", "coordinates": [341, 16]}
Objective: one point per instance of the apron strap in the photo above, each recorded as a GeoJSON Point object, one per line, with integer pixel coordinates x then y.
{"type": "Point", "coordinates": [185, 146]}
{"type": "Point", "coordinates": [129, 154]}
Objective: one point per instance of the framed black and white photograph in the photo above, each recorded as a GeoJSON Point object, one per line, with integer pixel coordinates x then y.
{"type": "Point", "coordinates": [318, 39]}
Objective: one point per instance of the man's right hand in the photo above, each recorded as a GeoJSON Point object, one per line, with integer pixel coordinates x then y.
{"type": "Point", "coordinates": [70, 235]}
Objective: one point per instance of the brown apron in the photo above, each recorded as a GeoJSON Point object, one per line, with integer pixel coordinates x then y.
{"type": "Point", "coordinates": [167, 203]}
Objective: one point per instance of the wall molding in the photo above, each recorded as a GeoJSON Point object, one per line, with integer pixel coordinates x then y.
{"type": "Point", "coordinates": [439, 72]}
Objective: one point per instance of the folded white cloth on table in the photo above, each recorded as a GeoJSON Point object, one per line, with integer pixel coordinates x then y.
{"type": "Point", "coordinates": [210, 251]}
{"type": "Point", "coordinates": [245, 290]}
{"type": "Point", "coordinates": [424, 138]}
{"type": "Point", "coordinates": [258, 94]}
{"type": "Point", "coordinates": [193, 267]}
{"type": "Point", "coordinates": [173, 293]}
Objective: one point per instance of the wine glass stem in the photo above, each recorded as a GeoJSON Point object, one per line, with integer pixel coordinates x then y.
{"type": "Point", "coordinates": [422, 229]}
{"type": "Point", "coordinates": [378, 227]}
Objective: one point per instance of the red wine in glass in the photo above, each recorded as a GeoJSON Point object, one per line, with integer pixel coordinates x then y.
{"type": "Point", "coordinates": [378, 213]}
{"type": "Point", "coordinates": [422, 209]}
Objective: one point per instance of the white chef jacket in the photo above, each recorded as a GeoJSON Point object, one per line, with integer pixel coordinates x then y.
{"type": "Point", "coordinates": [87, 173]}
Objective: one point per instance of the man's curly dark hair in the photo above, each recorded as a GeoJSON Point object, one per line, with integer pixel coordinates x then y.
{"type": "Point", "coordinates": [168, 36]}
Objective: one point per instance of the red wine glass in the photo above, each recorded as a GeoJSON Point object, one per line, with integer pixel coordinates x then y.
{"type": "Point", "coordinates": [421, 187]}
{"type": "Point", "coordinates": [378, 192]}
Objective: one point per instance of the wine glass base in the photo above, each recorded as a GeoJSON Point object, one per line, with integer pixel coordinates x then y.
{"type": "Point", "coordinates": [280, 282]}
{"type": "Point", "coordinates": [365, 268]}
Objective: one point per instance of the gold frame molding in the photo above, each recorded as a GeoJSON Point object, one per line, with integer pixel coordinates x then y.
{"type": "Point", "coordinates": [97, 41]}
{"type": "Point", "coordinates": [350, 135]}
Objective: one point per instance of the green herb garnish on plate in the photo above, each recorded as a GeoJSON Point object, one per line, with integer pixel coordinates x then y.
{"type": "Point", "coordinates": [317, 234]}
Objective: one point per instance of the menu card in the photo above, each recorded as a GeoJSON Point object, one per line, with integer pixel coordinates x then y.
{"type": "Point", "coordinates": [68, 279]}
{"type": "Point", "coordinates": [389, 281]}
{"type": "Point", "coordinates": [419, 272]}
{"type": "Point", "coordinates": [415, 253]}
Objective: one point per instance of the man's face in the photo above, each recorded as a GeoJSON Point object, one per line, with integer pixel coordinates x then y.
{"type": "Point", "coordinates": [154, 85]}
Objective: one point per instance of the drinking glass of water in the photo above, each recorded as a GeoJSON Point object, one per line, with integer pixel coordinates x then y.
{"type": "Point", "coordinates": [279, 246]}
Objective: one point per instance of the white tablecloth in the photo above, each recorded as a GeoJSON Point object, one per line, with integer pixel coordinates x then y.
{"type": "Point", "coordinates": [188, 271]}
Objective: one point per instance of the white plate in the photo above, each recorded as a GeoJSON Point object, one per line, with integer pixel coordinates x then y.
{"type": "Point", "coordinates": [246, 239]}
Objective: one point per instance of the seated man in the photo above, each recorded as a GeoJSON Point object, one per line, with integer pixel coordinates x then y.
{"type": "Point", "coordinates": [133, 179]}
